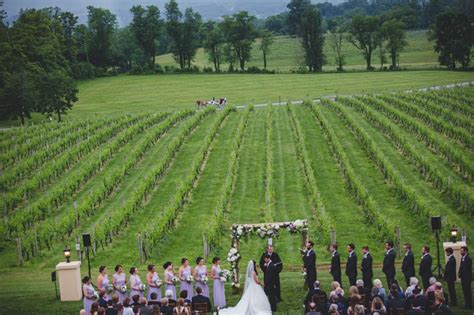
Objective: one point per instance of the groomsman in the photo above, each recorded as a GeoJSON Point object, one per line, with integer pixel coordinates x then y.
{"type": "Point", "coordinates": [366, 268]}
{"type": "Point", "coordinates": [465, 273]}
{"type": "Point", "coordinates": [425, 267]}
{"type": "Point", "coordinates": [450, 276]}
{"type": "Point", "coordinates": [275, 258]}
{"type": "Point", "coordinates": [351, 265]}
{"type": "Point", "coordinates": [408, 264]}
{"type": "Point", "coordinates": [388, 267]}
{"type": "Point", "coordinates": [335, 264]}
{"type": "Point", "coordinates": [309, 260]}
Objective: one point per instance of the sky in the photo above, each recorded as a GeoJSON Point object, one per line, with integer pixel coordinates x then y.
{"type": "Point", "coordinates": [209, 9]}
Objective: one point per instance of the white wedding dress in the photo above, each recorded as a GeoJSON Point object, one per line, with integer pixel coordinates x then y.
{"type": "Point", "coordinates": [254, 301]}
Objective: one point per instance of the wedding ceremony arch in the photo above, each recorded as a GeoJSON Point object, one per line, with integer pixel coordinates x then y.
{"type": "Point", "coordinates": [268, 230]}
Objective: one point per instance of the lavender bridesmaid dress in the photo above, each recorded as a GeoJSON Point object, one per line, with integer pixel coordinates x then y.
{"type": "Point", "coordinates": [120, 281]}
{"type": "Point", "coordinates": [172, 287]}
{"type": "Point", "coordinates": [184, 285]}
{"type": "Point", "coordinates": [201, 272]}
{"type": "Point", "coordinates": [153, 289]}
{"type": "Point", "coordinates": [137, 283]}
{"type": "Point", "coordinates": [105, 283]}
{"type": "Point", "coordinates": [218, 289]}
{"type": "Point", "coordinates": [88, 302]}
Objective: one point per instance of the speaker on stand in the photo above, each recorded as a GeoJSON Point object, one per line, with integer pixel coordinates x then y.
{"type": "Point", "coordinates": [436, 227]}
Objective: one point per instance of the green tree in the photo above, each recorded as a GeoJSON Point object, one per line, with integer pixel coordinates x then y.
{"type": "Point", "coordinates": [146, 26]}
{"type": "Point", "coordinates": [68, 43]}
{"type": "Point", "coordinates": [102, 24]}
{"type": "Point", "coordinates": [296, 9]}
{"type": "Point", "coordinates": [363, 35]}
{"type": "Point", "coordinates": [191, 26]}
{"type": "Point", "coordinates": [126, 50]}
{"type": "Point", "coordinates": [453, 34]}
{"type": "Point", "coordinates": [175, 30]}
{"type": "Point", "coordinates": [266, 40]}
{"type": "Point", "coordinates": [337, 35]}
{"type": "Point", "coordinates": [393, 32]}
{"type": "Point", "coordinates": [57, 94]}
{"type": "Point", "coordinates": [82, 37]}
{"type": "Point", "coordinates": [312, 39]}
{"type": "Point", "coordinates": [229, 56]}
{"type": "Point", "coordinates": [240, 33]}
{"type": "Point", "coordinates": [213, 42]}
{"type": "Point", "coordinates": [3, 14]}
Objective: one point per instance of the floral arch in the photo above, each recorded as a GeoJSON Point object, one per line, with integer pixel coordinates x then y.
{"type": "Point", "coordinates": [262, 230]}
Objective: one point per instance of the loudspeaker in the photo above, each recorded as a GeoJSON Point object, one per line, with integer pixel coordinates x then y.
{"type": "Point", "coordinates": [53, 276]}
{"type": "Point", "coordinates": [86, 239]}
{"type": "Point", "coordinates": [436, 223]}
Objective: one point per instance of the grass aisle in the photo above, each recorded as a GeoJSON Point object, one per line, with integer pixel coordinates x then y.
{"type": "Point", "coordinates": [340, 205]}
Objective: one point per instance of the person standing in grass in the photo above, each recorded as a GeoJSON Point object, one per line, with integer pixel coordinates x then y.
{"type": "Point", "coordinates": [408, 263]}
{"type": "Point", "coordinates": [118, 281]}
{"type": "Point", "coordinates": [103, 282]}
{"type": "Point", "coordinates": [152, 278]}
{"type": "Point", "coordinates": [168, 277]}
{"type": "Point", "coordinates": [88, 293]}
{"type": "Point", "coordinates": [351, 265]}
{"type": "Point", "coordinates": [218, 288]}
{"type": "Point", "coordinates": [185, 276]}
{"type": "Point", "coordinates": [135, 282]}
{"type": "Point", "coordinates": [465, 274]}
{"type": "Point", "coordinates": [450, 276]}
{"type": "Point", "coordinates": [366, 268]}
{"type": "Point", "coordinates": [335, 269]}
{"type": "Point", "coordinates": [200, 274]}
{"type": "Point", "coordinates": [388, 267]}
{"type": "Point", "coordinates": [425, 267]}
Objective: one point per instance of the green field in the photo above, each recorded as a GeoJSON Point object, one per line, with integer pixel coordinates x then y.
{"type": "Point", "coordinates": [287, 55]}
{"type": "Point", "coordinates": [362, 166]}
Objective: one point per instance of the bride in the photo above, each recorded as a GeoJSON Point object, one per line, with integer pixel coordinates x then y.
{"type": "Point", "coordinates": [254, 300]}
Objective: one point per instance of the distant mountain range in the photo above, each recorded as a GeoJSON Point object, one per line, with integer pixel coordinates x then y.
{"type": "Point", "coordinates": [209, 9]}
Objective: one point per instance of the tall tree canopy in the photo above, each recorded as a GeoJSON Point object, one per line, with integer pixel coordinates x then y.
{"type": "Point", "coordinates": [363, 35]}
{"type": "Point", "coordinates": [312, 39]}
{"type": "Point", "coordinates": [146, 26]}
{"type": "Point", "coordinates": [393, 32]}
{"type": "Point", "coordinates": [296, 9]}
{"type": "Point", "coordinates": [102, 24]}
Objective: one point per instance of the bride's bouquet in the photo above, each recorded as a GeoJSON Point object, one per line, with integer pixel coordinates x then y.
{"type": "Point", "coordinates": [175, 280]}
{"type": "Point", "coordinates": [224, 275]}
{"type": "Point", "coordinates": [109, 288]}
{"type": "Point", "coordinates": [123, 288]}
{"type": "Point", "coordinates": [142, 287]}
{"type": "Point", "coordinates": [158, 283]}
{"type": "Point", "coordinates": [189, 279]}
{"type": "Point", "coordinates": [204, 279]}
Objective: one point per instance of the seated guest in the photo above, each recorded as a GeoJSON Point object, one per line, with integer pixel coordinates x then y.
{"type": "Point", "coordinates": [199, 298]}
{"type": "Point", "coordinates": [353, 290]}
{"type": "Point", "coordinates": [102, 302]}
{"type": "Point", "coordinates": [144, 309]}
{"type": "Point", "coordinates": [115, 300]}
{"type": "Point", "coordinates": [154, 299]}
{"type": "Point", "coordinates": [317, 296]}
{"type": "Point", "coordinates": [110, 310]}
{"type": "Point", "coordinates": [413, 285]}
{"type": "Point", "coordinates": [337, 297]}
{"type": "Point", "coordinates": [363, 291]}
{"type": "Point", "coordinates": [169, 296]}
{"type": "Point", "coordinates": [312, 309]}
{"type": "Point", "coordinates": [440, 307]}
{"type": "Point", "coordinates": [432, 286]}
{"type": "Point", "coordinates": [396, 299]}
{"type": "Point", "coordinates": [354, 300]}
{"type": "Point", "coordinates": [418, 300]}
{"type": "Point", "coordinates": [184, 295]}
{"type": "Point", "coordinates": [335, 285]}
{"type": "Point", "coordinates": [94, 308]}
{"type": "Point", "coordinates": [135, 301]}
{"type": "Point", "coordinates": [394, 281]}
{"type": "Point", "coordinates": [127, 308]}
{"type": "Point", "coordinates": [333, 310]}
{"type": "Point", "coordinates": [165, 309]}
{"type": "Point", "coordinates": [180, 308]}
{"type": "Point", "coordinates": [378, 307]}
{"type": "Point", "coordinates": [119, 308]}
{"type": "Point", "coordinates": [358, 310]}
{"type": "Point", "coordinates": [380, 290]}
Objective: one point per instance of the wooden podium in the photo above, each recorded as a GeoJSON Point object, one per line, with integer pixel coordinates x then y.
{"type": "Point", "coordinates": [456, 252]}
{"type": "Point", "coordinates": [70, 286]}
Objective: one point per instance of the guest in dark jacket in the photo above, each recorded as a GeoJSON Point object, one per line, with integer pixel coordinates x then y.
{"type": "Point", "coordinates": [199, 298]}
{"type": "Point", "coordinates": [317, 296]}
{"type": "Point", "coordinates": [110, 310]}
{"type": "Point", "coordinates": [102, 302]}
{"type": "Point", "coordinates": [425, 267]}
{"type": "Point", "coordinates": [335, 264]}
{"type": "Point", "coordinates": [154, 299]}
{"type": "Point", "coordinates": [388, 267]}
{"type": "Point", "coordinates": [351, 265]}
{"type": "Point", "coordinates": [165, 308]}
{"type": "Point", "coordinates": [465, 274]}
{"type": "Point", "coordinates": [395, 299]}
{"type": "Point", "coordinates": [450, 276]}
{"type": "Point", "coordinates": [408, 263]}
{"type": "Point", "coordinates": [366, 268]}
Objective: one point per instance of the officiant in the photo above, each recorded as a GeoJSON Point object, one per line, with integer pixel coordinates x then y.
{"type": "Point", "coordinates": [275, 258]}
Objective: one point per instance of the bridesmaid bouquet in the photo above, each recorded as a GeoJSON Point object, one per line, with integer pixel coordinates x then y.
{"type": "Point", "coordinates": [189, 279]}
{"type": "Point", "coordinates": [142, 287]}
{"type": "Point", "coordinates": [175, 280]}
{"type": "Point", "coordinates": [204, 279]}
{"type": "Point", "coordinates": [158, 283]}
{"type": "Point", "coordinates": [95, 295]}
{"type": "Point", "coordinates": [109, 288]}
{"type": "Point", "coordinates": [123, 288]}
{"type": "Point", "coordinates": [224, 275]}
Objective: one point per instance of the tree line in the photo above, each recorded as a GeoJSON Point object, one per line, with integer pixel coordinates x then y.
{"type": "Point", "coordinates": [46, 50]}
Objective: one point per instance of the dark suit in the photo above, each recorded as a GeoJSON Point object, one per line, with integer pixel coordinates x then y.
{"type": "Point", "coordinates": [408, 266]}
{"type": "Point", "coordinates": [336, 267]}
{"type": "Point", "coordinates": [465, 274]}
{"type": "Point", "coordinates": [201, 299]}
{"type": "Point", "coordinates": [269, 281]}
{"type": "Point", "coordinates": [450, 277]}
{"type": "Point", "coordinates": [367, 272]}
{"type": "Point", "coordinates": [351, 268]}
{"type": "Point", "coordinates": [309, 262]}
{"type": "Point", "coordinates": [425, 270]}
{"type": "Point", "coordinates": [389, 266]}
{"type": "Point", "coordinates": [318, 294]}
{"type": "Point", "coordinates": [275, 258]}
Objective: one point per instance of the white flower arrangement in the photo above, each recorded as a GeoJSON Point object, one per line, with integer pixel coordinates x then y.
{"type": "Point", "coordinates": [158, 283]}
{"type": "Point", "coordinates": [297, 226]}
{"type": "Point", "coordinates": [95, 295]}
{"type": "Point", "coordinates": [123, 288]}
{"type": "Point", "coordinates": [204, 279]}
{"type": "Point", "coordinates": [189, 279]}
{"type": "Point", "coordinates": [142, 287]}
{"type": "Point", "coordinates": [109, 288]}
{"type": "Point", "coordinates": [224, 275]}
{"type": "Point", "coordinates": [175, 280]}
{"type": "Point", "coordinates": [304, 274]}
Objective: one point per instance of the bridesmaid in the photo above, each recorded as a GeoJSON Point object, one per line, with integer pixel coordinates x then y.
{"type": "Point", "coordinates": [200, 271]}
{"type": "Point", "coordinates": [169, 275]}
{"type": "Point", "coordinates": [135, 283]}
{"type": "Point", "coordinates": [185, 272]}
{"type": "Point", "coordinates": [103, 281]}
{"type": "Point", "coordinates": [88, 293]}
{"type": "Point", "coordinates": [119, 280]}
{"type": "Point", "coordinates": [218, 288]}
{"type": "Point", "coordinates": [151, 278]}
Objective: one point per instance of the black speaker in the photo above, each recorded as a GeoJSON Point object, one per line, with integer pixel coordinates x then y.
{"type": "Point", "coordinates": [86, 239]}
{"type": "Point", "coordinates": [436, 223]}
{"type": "Point", "coordinates": [53, 276]}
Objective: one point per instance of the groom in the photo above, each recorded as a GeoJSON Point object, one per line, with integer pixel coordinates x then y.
{"type": "Point", "coordinates": [269, 281]}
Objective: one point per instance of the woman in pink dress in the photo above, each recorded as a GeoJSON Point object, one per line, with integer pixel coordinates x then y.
{"type": "Point", "coordinates": [119, 280]}
{"type": "Point", "coordinates": [200, 274]}
{"type": "Point", "coordinates": [88, 293]}
{"type": "Point", "coordinates": [135, 283]}
{"type": "Point", "coordinates": [168, 276]}
{"type": "Point", "coordinates": [152, 279]}
{"type": "Point", "coordinates": [103, 282]}
{"type": "Point", "coordinates": [185, 274]}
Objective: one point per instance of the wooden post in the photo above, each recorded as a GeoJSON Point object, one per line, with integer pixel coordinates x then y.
{"type": "Point", "coordinates": [333, 236]}
{"type": "Point", "coordinates": [20, 253]}
{"type": "Point", "coordinates": [78, 248]}
{"type": "Point", "coordinates": [205, 246]}
{"type": "Point", "coordinates": [140, 249]}
{"type": "Point", "coordinates": [36, 247]}
{"type": "Point", "coordinates": [304, 235]}
{"type": "Point", "coordinates": [397, 241]}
